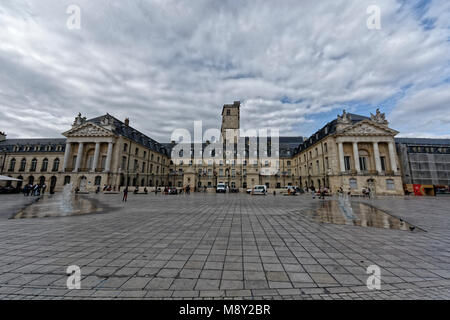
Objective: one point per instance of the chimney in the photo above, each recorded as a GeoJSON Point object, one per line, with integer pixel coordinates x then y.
{"type": "Point", "coordinates": [127, 122]}
{"type": "Point", "coordinates": [237, 103]}
{"type": "Point", "coordinates": [2, 136]}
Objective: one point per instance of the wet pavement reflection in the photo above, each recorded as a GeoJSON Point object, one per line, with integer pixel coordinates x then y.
{"type": "Point", "coordinates": [343, 211]}
{"type": "Point", "coordinates": [56, 206]}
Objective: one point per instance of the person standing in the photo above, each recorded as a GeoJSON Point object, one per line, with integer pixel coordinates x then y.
{"type": "Point", "coordinates": [44, 186]}
{"type": "Point", "coordinates": [125, 194]}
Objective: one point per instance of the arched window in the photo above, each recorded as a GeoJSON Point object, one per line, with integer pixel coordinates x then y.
{"type": "Point", "coordinates": [66, 180]}
{"type": "Point", "coordinates": [42, 180]}
{"type": "Point", "coordinates": [143, 182]}
{"type": "Point", "coordinates": [55, 165]}
{"type": "Point", "coordinates": [98, 180]}
{"type": "Point", "coordinates": [33, 164]}
{"type": "Point", "coordinates": [44, 165]}
{"type": "Point", "coordinates": [12, 165]}
{"type": "Point", "coordinates": [23, 164]}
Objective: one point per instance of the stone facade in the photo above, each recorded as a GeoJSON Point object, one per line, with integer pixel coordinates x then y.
{"type": "Point", "coordinates": [351, 152]}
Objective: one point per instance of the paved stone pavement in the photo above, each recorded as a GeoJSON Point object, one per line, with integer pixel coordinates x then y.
{"type": "Point", "coordinates": [228, 246]}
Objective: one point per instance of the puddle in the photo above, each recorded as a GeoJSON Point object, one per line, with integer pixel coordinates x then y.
{"type": "Point", "coordinates": [343, 211]}
{"type": "Point", "coordinates": [58, 206]}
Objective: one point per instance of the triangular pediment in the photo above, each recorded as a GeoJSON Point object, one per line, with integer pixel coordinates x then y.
{"type": "Point", "coordinates": [88, 129]}
{"type": "Point", "coordinates": [368, 128]}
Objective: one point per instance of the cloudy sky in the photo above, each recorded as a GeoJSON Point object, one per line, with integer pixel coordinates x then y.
{"type": "Point", "coordinates": [294, 64]}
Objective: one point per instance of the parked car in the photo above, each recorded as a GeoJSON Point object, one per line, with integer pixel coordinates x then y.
{"type": "Point", "coordinates": [261, 189]}
{"type": "Point", "coordinates": [221, 188]}
{"type": "Point", "coordinates": [8, 189]}
{"type": "Point", "coordinates": [249, 191]}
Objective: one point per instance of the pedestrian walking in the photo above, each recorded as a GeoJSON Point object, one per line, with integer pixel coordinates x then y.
{"type": "Point", "coordinates": [125, 194]}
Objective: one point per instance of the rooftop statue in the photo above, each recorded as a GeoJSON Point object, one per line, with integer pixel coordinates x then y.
{"type": "Point", "coordinates": [379, 117]}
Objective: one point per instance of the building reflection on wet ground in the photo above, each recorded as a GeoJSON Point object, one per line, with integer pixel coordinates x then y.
{"type": "Point", "coordinates": [343, 211]}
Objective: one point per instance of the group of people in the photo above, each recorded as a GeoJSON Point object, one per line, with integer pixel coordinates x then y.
{"type": "Point", "coordinates": [166, 190]}
{"type": "Point", "coordinates": [34, 190]}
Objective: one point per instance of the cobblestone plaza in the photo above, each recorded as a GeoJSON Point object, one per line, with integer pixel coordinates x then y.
{"type": "Point", "coordinates": [203, 246]}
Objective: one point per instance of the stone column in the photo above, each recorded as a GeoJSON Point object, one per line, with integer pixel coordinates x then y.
{"type": "Point", "coordinates": [96, 154]}
{"type": "Point", "coordinates": [376, 153]}
{"type": "Point", "coordinates": [392, 157]}
{"type": "Point", "coordinates": [66, 156]}
{"type": "Point", "coordinates": [79, 157]}
{"type": "Point", "coordinates": [356, 157]}
{"type": "Point", "coordinates": [108, 157]}
{"type": "Point", "coordinates": [341, 156]}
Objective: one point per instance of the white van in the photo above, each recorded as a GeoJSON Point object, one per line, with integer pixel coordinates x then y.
{"type": "Point", "coordinates": [221, 188]}
{"type": "Point", "coordinates": [261, 189]}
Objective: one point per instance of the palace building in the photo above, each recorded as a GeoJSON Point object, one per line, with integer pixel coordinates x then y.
{"type": "Point", "coordinates": [351, 152]}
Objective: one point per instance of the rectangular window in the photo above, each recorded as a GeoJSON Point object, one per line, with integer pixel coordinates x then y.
{"type": "Point", "coordinates": [347, 163]}
{"type": "Point", "coordinates": [390, 185]}
{"type": "Point", "coordinates": [363, 163]}
{"type": "Point", "coordinates": [383, 163]}
{"type": "Point", "coordinates": [353, 184]}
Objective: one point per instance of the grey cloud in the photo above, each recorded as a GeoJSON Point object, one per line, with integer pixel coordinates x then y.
{"type": "Point", "coordinates": [165, 64]}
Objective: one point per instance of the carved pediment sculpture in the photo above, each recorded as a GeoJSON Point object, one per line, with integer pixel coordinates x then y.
{"type": "Point", "coordinates": [344, 119]}
{"type": "Point", "coordinates": [107, 120]}
{"type": "Point", "coordinates": [366, 127]}
{"type": "Point", "coordinates": [79, 120]}
{"type": "Point", "coordinates": [88, 130]}
{"type": "Point", "coordinates": [379, 117]}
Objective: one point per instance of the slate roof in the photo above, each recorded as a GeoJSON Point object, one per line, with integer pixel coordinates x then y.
{"type": "Point", "coordinates": [423, 141]}
{"type": "Point", "coordinates": [286, 145]}
{"type": "Point", "coordinates": [9, 144]}
{"type": "Point", "coordinates": [328, 129]}
{"type": "Point", "coordinates": [122, 129]}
